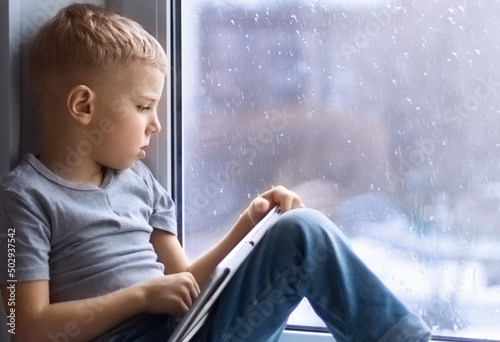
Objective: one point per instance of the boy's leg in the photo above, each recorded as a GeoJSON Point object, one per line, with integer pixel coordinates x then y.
{"type": "Point", "coordinates": [151, 327]}
{"type": "Point", "coordinates": [305, 255]}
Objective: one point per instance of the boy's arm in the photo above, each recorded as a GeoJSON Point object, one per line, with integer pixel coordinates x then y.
{"type": "Point", "coordinates": [37, 320]}
{"type": "Point", "coordinates": [83, 320]}
{"type": "Point", "coordinates": [203, 267]}
{"type": "Point", "coordinates": [170, 252]}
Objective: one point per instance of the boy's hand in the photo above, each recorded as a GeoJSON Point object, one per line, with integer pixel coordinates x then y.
{"type": "Point", "coordinates": [173, 294]}
{"type": "Point", "coordinates": [278, 196]}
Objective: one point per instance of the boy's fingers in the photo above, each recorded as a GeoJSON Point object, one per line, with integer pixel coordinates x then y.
{"type": "Point", "coordinates": [285, 202]}
{"type": "Point", "coordinates": [297, 202]}
{"type": "Point", "coordinates": [195, 283]}
{"type": "Point", "coordinates": [258, 208]}
{"type": "Point", "coordinates": [261, 204]}
{"type": "Point", "coordinates": [286, 199]}
{"type": "Point", "coordinates": [194, 289]}
{"type": "Point", "coordinates": [277, 196]}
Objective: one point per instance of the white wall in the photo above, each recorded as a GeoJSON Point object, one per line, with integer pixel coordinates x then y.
{"type": "Point", "coordinates": [19, 131]}
{"type": "Point", "coordinates": [9, 85]}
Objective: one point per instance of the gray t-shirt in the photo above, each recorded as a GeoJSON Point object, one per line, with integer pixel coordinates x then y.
{"type": "Point", "coordinates": [86, 240]}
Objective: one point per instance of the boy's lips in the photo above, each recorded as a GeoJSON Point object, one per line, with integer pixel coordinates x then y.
{"type": "Point", "coordinates": [143, 151]}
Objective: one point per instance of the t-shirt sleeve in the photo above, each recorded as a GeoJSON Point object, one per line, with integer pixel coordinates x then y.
{"type": "Point", "coordinates": [24, 233]}
{"type": "Point", "coordinates": [163, 216]}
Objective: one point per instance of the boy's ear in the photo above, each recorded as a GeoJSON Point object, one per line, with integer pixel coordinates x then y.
{"type": "Point", "coordinates": [80, 103]}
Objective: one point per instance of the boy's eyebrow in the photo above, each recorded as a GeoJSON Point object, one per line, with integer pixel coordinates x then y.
{"type": "Point", "coordinates": [147, 98]}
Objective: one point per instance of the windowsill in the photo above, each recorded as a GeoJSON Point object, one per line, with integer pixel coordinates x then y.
{"type": "Point", "coordinates": [301, 336]}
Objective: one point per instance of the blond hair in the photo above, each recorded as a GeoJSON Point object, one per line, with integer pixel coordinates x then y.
{"type": "Point", "coordinates": [84, 38]}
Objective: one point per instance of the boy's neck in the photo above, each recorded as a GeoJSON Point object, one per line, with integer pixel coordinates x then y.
{"type": "Point", "coordinates": [59, 154]}
{"type": "Point", "coordinates": [86, 172]}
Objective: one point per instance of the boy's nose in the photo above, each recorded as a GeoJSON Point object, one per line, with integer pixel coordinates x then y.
{"type": "Point", "coordinates": [155, 126]}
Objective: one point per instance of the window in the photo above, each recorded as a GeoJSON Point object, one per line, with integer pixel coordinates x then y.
{"type": "Point", "coordinates": [382, 114]}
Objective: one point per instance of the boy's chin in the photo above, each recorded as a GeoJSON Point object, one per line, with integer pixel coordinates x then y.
{"type": "Point", "coordinates": [121, 165]}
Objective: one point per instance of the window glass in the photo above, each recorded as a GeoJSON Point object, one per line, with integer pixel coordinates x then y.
{"type": "Point", "coordinates": [384, 115]}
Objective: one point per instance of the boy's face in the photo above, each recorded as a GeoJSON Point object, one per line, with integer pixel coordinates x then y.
{"type": "Point", "coordinates": [125, 115]}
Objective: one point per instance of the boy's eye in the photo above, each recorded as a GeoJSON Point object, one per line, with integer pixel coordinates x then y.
{"type": "Point", "coordinates": [143, 108]}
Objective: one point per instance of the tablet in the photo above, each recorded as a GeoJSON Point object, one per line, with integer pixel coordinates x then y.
{"type": "Point", "coordinates": [219, 278]}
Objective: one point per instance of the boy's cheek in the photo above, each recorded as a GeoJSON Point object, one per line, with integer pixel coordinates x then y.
{"type": "Point", "coordinates": [118, 108]}
{"type": "Point", "coordinates": [98, 133]}
{"type": "Point", "coordinates": [106, 126]}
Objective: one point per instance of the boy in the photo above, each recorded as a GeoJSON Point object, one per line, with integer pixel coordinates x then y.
{"type": "Point", "coordinates": [96, 253]}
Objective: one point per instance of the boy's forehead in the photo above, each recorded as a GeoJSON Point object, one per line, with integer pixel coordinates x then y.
{"type": "Point", "coordinates": [145, 73]}
{"type": "Point", "coordinates": [140, 80]}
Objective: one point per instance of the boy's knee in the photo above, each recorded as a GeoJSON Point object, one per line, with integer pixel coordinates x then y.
{"type": "Point", "coordinates": [306, 218]}
{"type": "Point", "coordinates": [307, 224]}
{"type": "Point", "coordinates": [303, 222]}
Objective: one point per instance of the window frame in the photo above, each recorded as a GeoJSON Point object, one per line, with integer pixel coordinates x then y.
{"type": "Point", "coordinates": [292, 333]}
{"type": "Point", "coordinates": [175, 56]}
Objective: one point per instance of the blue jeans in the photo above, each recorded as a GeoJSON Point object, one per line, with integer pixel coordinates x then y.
{"type": "Point", "coordinates": [303, 255]}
